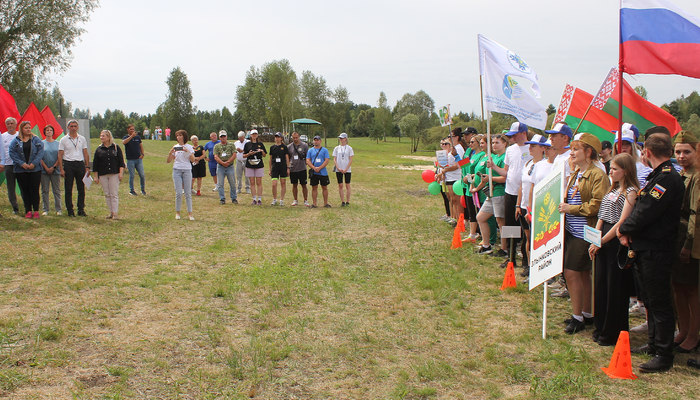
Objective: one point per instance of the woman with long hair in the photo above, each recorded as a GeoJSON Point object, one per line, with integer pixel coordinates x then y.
{"type": "Point", "coordinates": [26, 152]}
{"type": "Point", "coordinates": [612, 284]}
{"type": "Point", "coordinates": [451, 174]}
{"type": "Point", "coordinates": [182, 156]}
{"type": "Point", "coordinates": [254, 152]}
{"type": "Point", "coordinates": [50, 172]}
{"type": "Point", "coordinates": [584, 193]}
{"type": "Point", "coordinates": [108, 166]}
{"type": "Point", "coordinates": [477, 156]}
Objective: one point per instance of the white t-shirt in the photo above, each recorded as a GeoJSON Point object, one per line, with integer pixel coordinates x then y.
{"type": "Point", "coordinates": [460, 151]}
{"type": "Point", "coordinates": [6, 140]}
{"type": "Point", "coordinates": [452, 176]}
{"type": "Point", "coordinates": [239, 146]}
{"type": "Point", "coordinates": [542, 169]}
{"type": "Point", "coordinates": [72, 148]}
{"type": "Point", "coordinates": [182, 157]}
{"type": "Point", "coordinates": [516, 157]}
{"type": "Point", "coordinates": [341, 157]}
{"type": "Point", "coordinates": [526, 182]}
{"type": "Point", "coordinates": [564, 158]}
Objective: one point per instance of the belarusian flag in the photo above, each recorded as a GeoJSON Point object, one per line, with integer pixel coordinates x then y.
{"type": "Point", "coordinates": [8, 108]}
{"type": "Point", "coordinates": [33, 115]}
{"type": "Point", "coordinates": [643, 114]}
{"type": "Point", "coordinates": [51, 120]}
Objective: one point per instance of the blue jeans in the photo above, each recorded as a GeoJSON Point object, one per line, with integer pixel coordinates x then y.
{"type": "Point", "coordinates": [182, 179]}
{"type": "Point", "coordinates": [137, 165]}
{"type": "Point", "coordinates": [230, 173]}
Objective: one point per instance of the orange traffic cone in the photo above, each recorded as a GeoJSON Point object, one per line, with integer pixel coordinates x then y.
{"type": "Point", "coordinates": [509, 278]}
{"type": "Point", "coordinates": [621, 361]}
{"type": "Point", "coordinates": [456, 239]}
{"type": "Point", "coordinates": [460, 223]}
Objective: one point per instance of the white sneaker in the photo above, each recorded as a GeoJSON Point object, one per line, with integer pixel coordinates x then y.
{"type": "Point", "coordinates": [638, 310]}
{"type": "Point", "coordinates": [295, 203]}
{"type": "Point", "coordinates": [643, 328]}
{"type": "Point", "coordinates": [216, 189]}
{"type": "Point", "coordinates": [194, 191]}
{"type": "Point", "coordinates": [281, 203]}
{"type": "Point", "coordinates": [59, 213]}
{"type": "Point", "coordinates": [44, 213]}
{"type": "Point", "coordinates": [274, 202]}
{"type": "Point", "coordinates": [306, 203]}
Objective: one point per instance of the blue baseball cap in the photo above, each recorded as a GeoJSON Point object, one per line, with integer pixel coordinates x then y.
{"type": "Point", "coordinates": [539, 140]}
{"type": "Point", "coordinates": [516, 128]}
{"type": "Point", "coordinates": [561, 128]}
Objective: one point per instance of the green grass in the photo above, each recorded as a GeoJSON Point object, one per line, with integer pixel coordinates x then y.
{"type": "Point", "coordinates": [363, 302]}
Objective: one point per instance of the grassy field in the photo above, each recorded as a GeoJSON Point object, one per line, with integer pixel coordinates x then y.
{"type": "Point", "coordinates": [365, 302]}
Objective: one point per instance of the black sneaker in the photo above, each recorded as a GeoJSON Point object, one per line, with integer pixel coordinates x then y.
{"type": "Point", "coordinates": [646, 349]}
{"type": "Point", "coordinates": [81, 213]}
{"type": "Point", "coordinates": [71, 214]}
{"type": "Point", "coordinates": [342, 204]}
{"type": "Point", "coordinates": [499, 253]}
{"type": "Point", "coordinates": [575, 326]}
{"type": "Point", "coordinates": [143, 192]}
{"type": "Point", "coordinates": [327, 206]}
{"type": "Point", "coordinates": [484, 250]}
{"type": "Point", "coordinates": [504, 263]}
{"type": "Point", "coordinates": [526, 272]}
{"type": "Point", "coordinates": [234, 201]}
{"type": "Point", "coordinates": [222, 202]}
{"type": "Point", "coordinates": [133, 193]}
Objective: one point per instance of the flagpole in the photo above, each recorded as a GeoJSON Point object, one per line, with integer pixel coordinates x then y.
{"type": "Point", "coordinates": [619, 86]}
{"type": "Point", "coordinates": [488, 133]}
{"type": "Point", "coordinates": [481, 91]}
{"type": "Point", "coordinates": [582, 118]}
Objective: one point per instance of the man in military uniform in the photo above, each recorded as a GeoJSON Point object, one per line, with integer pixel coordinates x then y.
{"type": "Point", "coordinates": [650, 231]}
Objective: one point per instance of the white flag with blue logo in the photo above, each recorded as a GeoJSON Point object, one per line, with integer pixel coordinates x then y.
{"type": "Point", "coordinates": [508, 61]}
{"type": "Point", "coordinates": [503, 94]}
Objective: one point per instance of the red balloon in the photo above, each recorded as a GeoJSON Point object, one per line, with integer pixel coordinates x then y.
{"type": "Point", "coordinates": [428, 176]}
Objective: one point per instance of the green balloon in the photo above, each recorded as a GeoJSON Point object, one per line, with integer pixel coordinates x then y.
{"type": "Point", "coordinates": [434, 188]}
{"type": "Point", "coordinates": [458, 188]}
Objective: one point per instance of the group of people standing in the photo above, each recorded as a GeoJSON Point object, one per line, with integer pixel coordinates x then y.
{"type": "Point", "coordinates": [230, 161]}
{"type": "Point", "coordinates": [631, 191]}
{"type": "Point", "coordinates": [38, 165]}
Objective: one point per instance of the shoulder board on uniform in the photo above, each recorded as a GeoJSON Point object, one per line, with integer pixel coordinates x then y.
{"type": "Point", "coordinates": [666, 169]}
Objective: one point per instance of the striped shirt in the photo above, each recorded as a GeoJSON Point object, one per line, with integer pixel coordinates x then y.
{"type": "Point", "coordinates": [574, 224]}
{"type": "Point", "coordinates": [612, 205]}
{"type": "Point", "coordinates": [642, 173]}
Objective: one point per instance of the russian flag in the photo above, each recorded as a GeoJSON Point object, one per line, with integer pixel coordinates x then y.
{"type": "Point", "coordinates": [657, 37]}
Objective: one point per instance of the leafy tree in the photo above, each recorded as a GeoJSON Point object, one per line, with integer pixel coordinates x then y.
{"type": "Point", "coordinates": [177, 109]}
{"type": "Point", "coordinates": [641, 91]}
{"type": "Point", "coordinates": [693, 125]}
{"type": "Point", "coordinates": [420, 105]}
{"type": "Point", "coordinates": [117, 123]}
{"type": "Point", "coordinates": [250, 98]}
{"type": "Point", "coordinates": [409, 124]}
{"type": "Point", "coordinates": [315, 97]}
{"type": "Point", "coordinates": [340, 112]}
{"type": "Point", "coordinates": [551, 109]}
{"type": "Point", "coordinates": [36, 38]}
{"type": "Point", "coordinates": [280, 90]}
{"type": "Point", "coordinates": [364, 121]}
{"type": "Point", "coordinates": [382, 116]}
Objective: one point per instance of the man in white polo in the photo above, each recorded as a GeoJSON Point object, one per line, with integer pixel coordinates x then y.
{"type": "Point", "coordinates": [74, 157]}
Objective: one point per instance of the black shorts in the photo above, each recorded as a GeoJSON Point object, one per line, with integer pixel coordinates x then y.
{"type": "Point", "coordinates": [298, 177]}
{"type": "Point", "coordinates": [278, 172]}
{"type": "Point", "coordinates": [323, 180]}
{"type": "Point", "coordinates": [340, 176]}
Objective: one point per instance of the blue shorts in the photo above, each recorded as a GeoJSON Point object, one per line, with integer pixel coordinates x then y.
{"type": "Point", "coordinates": [212, 169]}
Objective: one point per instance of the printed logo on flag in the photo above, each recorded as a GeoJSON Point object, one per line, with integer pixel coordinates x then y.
{"type": "Point", "coordinates": [518, 63]}
{"type": "Point", "coordinates": [548, 226]}
{"type": "Point", "coordinates": [511, 88]}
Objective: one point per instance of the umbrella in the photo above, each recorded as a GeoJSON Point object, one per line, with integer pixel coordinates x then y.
{"type": "Point", "coordinates": [308, 121]}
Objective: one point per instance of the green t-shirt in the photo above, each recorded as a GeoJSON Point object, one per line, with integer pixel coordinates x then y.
{"type": "Point", "coordinates": [225, 151]}
{"type": "Point", "coordinates": [499, 189]}
{"type": "Point", "coordinates": [473, 161]}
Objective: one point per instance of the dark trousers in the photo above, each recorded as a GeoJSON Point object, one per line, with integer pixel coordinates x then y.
{"type": "Point", "coordinates": [472, 208]}
{"type": "Point", "coordinates": [653, 270]}
{"type": "Point", "coordinates": [510, 202]}
{"type": "Point", "coordinates": [29, 183]}
{"type": "Point", "coordinates": [612, 287]}
{"type": "Point", "coordinates": [446, 200]}
{"type": "Point", "coordinates": [75, 170]}
{"type": "Point", "coordinates": [11, 189]}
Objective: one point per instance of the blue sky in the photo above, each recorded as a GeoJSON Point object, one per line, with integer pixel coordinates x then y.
{"type": "Point", "coordinates": [367, 46]}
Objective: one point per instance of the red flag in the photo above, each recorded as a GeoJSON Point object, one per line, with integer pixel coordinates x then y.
{"type": "Point", "coordinates": [37, 120]}
{"type": "Point", "coordinates": [51, 120]}
{"type": "Point", "coordinates": [8, 108]}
